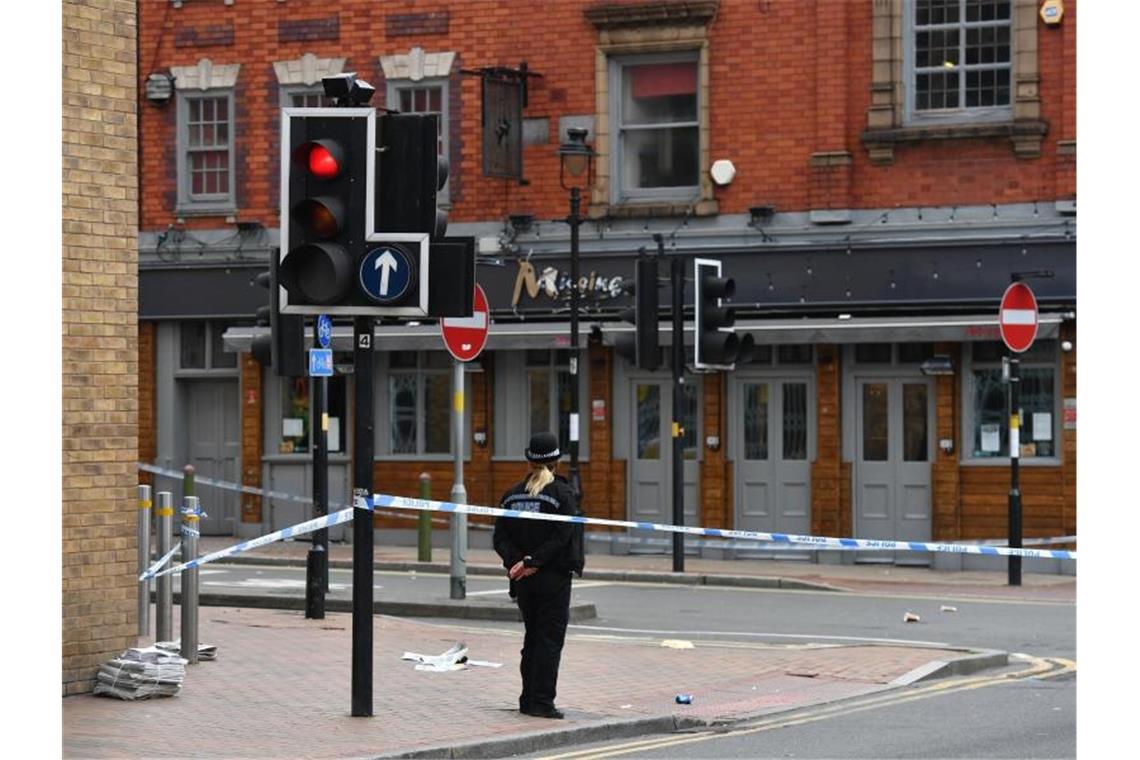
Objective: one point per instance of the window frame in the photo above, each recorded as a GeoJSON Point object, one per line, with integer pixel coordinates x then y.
{"type": "Point", "coordinates": [619, 193]}
{"type": "Point", "coordinates": [382, 438]}
{"type": "Point", "coordinates": [969, 387]}
{"type": "Point", "coordinates": [212, 326]}
{"type": "Point", "coordinates": [512, 424]}
{"type": "Point", "coordinates": [288, 91]}
{"type": "Point", "coordinates": [188, 205]}
{"type": "Point", "coordinates": [962, 114]}
{"type": "Point", "coordinates": [393, 89]}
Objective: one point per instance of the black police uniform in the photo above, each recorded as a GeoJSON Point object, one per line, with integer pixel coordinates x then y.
{"type": "Point", "coordinates": [544, 597]}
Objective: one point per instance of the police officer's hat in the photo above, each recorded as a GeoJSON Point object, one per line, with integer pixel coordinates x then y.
{"type": "Point", "coordinates": [543, 448]}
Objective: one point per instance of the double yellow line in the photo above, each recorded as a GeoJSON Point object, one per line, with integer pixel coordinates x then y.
{"type": "Point", "coordinates": [1040, 667]}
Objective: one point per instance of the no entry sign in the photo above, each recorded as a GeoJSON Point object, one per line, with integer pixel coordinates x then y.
{"type": "Point", "coordinates": [1018, 317]}
{"type": "Point", "coordinates": [466, 336]}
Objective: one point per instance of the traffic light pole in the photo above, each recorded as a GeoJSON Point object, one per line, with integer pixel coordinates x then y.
{"type": "Point", "coordinates": [317, 567]}
{"type": "Point", "coordinates": [678, 281]}
{"type": "Point", "coordinates": [362, 538]}
{"type": "Point", "coordinates": [1014, 468]}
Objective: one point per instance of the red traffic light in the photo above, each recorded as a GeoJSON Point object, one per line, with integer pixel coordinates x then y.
{"type": "Point", "coordinates": [323, 158]}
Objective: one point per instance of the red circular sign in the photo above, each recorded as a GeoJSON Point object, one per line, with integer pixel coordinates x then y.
{"type": "Point", "coordinates": [466, 336]}
{"type": "Point", "coordinates": [1018, 317]}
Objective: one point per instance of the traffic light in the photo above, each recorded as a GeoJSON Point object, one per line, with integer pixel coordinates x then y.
{"type": "Point", "coordinates": [283, 349]}
{"type": "Point", "coordinates": [411, 175]}
{"type": "Point", "coordinates": [334, 261]}
{"type": "Point", "coordinates": [715, 344]}
{"type": "Point", "coordinates": [642, 346]}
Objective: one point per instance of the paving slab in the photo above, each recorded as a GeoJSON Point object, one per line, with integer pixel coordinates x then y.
{"type": "Point", "coordinates": [281, 688]}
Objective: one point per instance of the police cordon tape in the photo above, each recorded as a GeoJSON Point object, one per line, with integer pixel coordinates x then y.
{"type": "Point", "coordinates": [384, 501]}
{"type": "Point", "coordinates": [597, 537]}
{"type": "Point", "coordinates": [773, 546]}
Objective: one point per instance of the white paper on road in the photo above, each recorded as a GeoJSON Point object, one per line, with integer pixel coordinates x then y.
{"type": "Point", "coordinates": [456, 654]}
{"type": "Point", "coordinates": [677, 644]}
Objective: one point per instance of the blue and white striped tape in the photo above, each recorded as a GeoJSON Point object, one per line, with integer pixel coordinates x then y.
{"type": "Point", "coordinates": [326, 521]}
{"type": "Point", "coordinates": [773, 546]}
{"type": "Point", "coordinates": [773, 540]}
{"type": "Point", "coordinates": [153, 569]}
{"type": "Point", "coordinates": [384, 501]}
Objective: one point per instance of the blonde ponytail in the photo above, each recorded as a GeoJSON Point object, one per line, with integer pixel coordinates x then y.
{"type": "Point", "coordinates": [539, 479]}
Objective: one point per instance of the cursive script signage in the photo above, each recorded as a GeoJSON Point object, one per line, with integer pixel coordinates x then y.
{"type": "Point", "coordinates": [554, 284]}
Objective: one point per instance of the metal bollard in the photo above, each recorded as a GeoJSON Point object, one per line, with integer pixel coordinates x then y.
{"type": "Point", "coordinates": [144, 559]}
{"type": "Point", "coordinates": [189, 604]}
{"type": "Point", "coordinates": [425, 519]}
{"type": "Point", "coordinates": [164, 596]}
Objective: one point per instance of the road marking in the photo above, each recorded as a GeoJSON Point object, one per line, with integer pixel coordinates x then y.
{"type": "Point", "coordinates": [755, 634]}
{"type": "Point", "coordinates": [1042, 667]}
{"type": "Point", "coordinates": [583, 584]}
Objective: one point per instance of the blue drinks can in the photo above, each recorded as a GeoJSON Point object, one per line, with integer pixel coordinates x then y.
{"type": "Point", "coordinates": [684, 699]}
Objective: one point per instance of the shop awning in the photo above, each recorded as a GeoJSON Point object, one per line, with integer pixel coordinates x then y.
{"type": "Point", "coordinates": [553, 335]}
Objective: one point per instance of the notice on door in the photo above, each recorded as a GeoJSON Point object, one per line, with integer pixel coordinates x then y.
{"type": "Point", "coordinates": [991, 438]}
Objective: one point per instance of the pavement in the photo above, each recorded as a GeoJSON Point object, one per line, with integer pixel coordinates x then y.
{"type": "Point", "coordinates": [281, 684]}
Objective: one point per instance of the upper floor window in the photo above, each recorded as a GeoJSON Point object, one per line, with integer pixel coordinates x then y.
{"type": "Point", "coordinates": [425, 97]}
{"type": "Point", "coordinates": [418, 82]}
{"type": "Point", "coordinates": [205, 141]}
{"type": "Point", "coordinates": [206, 165]}
{"type": "Point", "coordinates": [657, 147]}
{"type": "Point", "coordinates": [305, 97]}
{"type": "Point", "coordinates": [960, 60]}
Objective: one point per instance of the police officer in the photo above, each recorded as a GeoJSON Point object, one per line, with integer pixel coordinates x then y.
{"type": "Point", "coordinates": [538, 557]}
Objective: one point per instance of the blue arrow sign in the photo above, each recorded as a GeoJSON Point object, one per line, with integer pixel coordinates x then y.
{"type": "Point", "coordinates": [324, 330]}
{"type": "Point", "coordinates": [320, 362]}
{"type": "Point", "coordinates": [386, 273]}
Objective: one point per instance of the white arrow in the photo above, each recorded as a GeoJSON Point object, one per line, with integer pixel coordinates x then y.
{"type": "Point", "coordinates": [386, 262]}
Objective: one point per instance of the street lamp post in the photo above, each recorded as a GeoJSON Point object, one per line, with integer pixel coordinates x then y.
{"type": "Point", "coordinates": [576, 159]}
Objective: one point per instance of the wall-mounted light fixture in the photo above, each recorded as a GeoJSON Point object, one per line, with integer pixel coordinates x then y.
{"type": "Point", "coordinates": [758, 214]}
{"type": "Point", "coordinates": [159, 88]}
{"type": "Point", "coordinates": [938, 365]}
{"type": "Point", "coordinates": [521, 222]}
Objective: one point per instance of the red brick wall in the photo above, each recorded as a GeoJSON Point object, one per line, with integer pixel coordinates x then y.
{"type": "Point", "coordinates": [787, 80]}
{"type": "Point", "coordinates": [148, 445]}
{"type": "Point", "coordinates": [714, 488]}
{"type": "Point", "coordinates": [828, 503]}
{"type": "Point", "coordinates": [252, 438]}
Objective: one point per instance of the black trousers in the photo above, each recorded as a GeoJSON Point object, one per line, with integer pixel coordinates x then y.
{"type": "Point", "coordinates": [544, 599]}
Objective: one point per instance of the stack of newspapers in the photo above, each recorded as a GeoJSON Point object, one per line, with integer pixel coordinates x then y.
{"type": "Point", "coordinates": [205, 651]}
{"type": "Point", "coordinates": [141, 673]}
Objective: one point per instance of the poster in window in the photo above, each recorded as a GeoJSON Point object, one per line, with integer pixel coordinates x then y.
{"type": "Point", "coordinates": [991, 438]}
{"type": "Point", "coordinates": [292, 427]}
{"type": "Point", "coordinates": [334, 434]}
{"type": "Point", "coordinates": [1042, 426]}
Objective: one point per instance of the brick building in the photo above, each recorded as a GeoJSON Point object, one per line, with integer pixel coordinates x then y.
{"type": "Point", "coordinates": [895, 162]}
{"type": "Point", "coordinates": [100, 328]}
